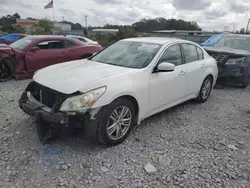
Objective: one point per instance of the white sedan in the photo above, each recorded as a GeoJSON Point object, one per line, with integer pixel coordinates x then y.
{"type": "Point", "coordinates": [114, 90]}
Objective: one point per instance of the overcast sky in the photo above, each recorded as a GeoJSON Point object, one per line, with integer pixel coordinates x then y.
{"type": "Point", "coordinates": [209, 14]}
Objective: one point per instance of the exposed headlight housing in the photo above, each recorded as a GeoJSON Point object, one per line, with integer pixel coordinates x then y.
{"type": "Point", "coordinates": [237, 61]}
{"type": "Point", "coordinates": [81, 103]}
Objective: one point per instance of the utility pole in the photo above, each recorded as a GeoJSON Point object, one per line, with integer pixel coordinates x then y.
{"type": "Point", "coordinates": [86, 21]}
{"type": "Point", "coordinates": [247, 25]}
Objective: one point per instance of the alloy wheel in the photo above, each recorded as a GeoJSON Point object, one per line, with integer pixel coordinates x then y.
{"type": "Point", "coordinates": [119, 122]}
{"type": "Point", "coordinates": [206, 89]}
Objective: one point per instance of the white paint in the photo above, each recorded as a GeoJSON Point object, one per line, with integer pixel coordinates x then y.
{"type": "Point", "coordinates": [154, 92]}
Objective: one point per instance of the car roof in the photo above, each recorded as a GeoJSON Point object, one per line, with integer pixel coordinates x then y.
{"type": "Point", "coordinates": [155, 40]}
{"type": "Point", "coordinates": [46, 36]}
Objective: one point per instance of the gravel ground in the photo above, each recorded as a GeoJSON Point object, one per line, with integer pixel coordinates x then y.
{"type": "Point", "coordinates": [191, 145]}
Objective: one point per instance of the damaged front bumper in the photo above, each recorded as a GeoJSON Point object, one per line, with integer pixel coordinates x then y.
{"type": "Point", "coordinates": [234, 74]}
{"type": "Point", "coordinates": [49, 119]}
{"type": "Point", "coordinates": [34, 108]}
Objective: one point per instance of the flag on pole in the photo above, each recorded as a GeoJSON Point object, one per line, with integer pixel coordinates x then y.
{"type": "Point", "coordinates": [49, 5]}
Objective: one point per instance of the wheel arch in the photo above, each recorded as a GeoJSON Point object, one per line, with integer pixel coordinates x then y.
{"type": "Point", "coordinates": [7, 61]}
{"type": "Point", "coordinates": [133, 100]}
{"type": "Point", "coordinates": [210, 73]}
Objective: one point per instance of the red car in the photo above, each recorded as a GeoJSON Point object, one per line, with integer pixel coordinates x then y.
{"type": "Point", "coordinates": [25, 56]}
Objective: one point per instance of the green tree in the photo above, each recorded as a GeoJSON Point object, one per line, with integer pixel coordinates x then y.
{"type": "Point", "coordinates": [8, 21]}
{"type": "Point", "coordinates": [85, 32]}
{"type": "Point", "coordinates": [149, 25]}
{"type": "Point", "coordinates": [46, 24]}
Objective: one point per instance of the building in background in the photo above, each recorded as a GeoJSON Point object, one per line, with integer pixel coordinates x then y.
{"type": "Point", "coordinates": [195, 36]}
{"type": "Point", "coordinates": [104, 31]}
{"type": "Point", "coordinates": [62, 26]}
{"type": "Point", "coordinates": [26, 24]}
{"type": "Point", "coordinates": [62, 29]}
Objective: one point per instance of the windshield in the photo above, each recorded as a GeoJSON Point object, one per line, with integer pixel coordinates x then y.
{"type": "Point", "coordinates": [128, 54]}
{"type": "Point", "coordinates": [22, 43]}
{"type": "Point", "coordinates": [236, 42]}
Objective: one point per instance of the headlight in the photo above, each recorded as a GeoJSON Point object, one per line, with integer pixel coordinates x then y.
{"type": "Point", "coordinates": [237, 61]}
{"type": "Point", "coordinates": [82, 102]}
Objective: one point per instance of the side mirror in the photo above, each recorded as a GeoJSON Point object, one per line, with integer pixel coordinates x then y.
{"type": "Point", "coordinates": [165, 67]}
{"type": "Point", "coordinates": [34, 49]}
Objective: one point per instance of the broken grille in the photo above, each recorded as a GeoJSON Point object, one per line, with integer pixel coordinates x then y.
{"type": "Point", "coordinates": [47, 96]}
{"type": "Point", "coordinates": [221, 59]}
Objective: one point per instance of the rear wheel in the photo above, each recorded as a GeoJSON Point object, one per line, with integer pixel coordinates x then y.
{"type": "Point", "coordinates": [6, 72]}
{"type": "Point", "coordinates": [205, 90]}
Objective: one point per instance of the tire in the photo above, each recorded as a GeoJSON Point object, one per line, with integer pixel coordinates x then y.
{"type": "Point", "coordinates": [245, 81]}
{"type": "Point", "coordinates": [6, 71]}
{"type": "Point", "coordinates": [102, 135]}
{"type": "Point", "coordinates": [207, 86]}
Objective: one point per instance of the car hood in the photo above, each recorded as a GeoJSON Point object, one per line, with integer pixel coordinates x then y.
{"type": "Point", "coordinates": [81, 75]}
{"type": "Point", "coordinates": [227, 50]}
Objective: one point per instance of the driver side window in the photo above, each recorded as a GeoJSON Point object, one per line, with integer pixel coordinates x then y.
{"type": "Point", "coordinates": [49, 45]}
{"type": "Point", "coordinates": [172, 55]}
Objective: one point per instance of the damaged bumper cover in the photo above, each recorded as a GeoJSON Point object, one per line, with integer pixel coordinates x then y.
{"type": "Point", "coordinates": [35, 108]}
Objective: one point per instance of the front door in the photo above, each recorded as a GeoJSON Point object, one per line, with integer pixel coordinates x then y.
{"type": "Point", "coordinates": [167, 88]}
{"type": "Point", "coordinates": [49, 53]}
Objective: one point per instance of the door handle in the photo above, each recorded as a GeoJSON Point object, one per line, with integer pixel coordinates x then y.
{"type": "Point", "coordinates": [203, 65]}
{"type": "Point", "coordinates": [64, 52]}
{"type": "Point", "coordinates": [182, 72]}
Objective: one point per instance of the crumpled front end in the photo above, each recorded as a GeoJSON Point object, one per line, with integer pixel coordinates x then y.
{"type": "Point", "coordinates": [5, 51]}
{"type": "Point", "coordinates": [233, 69]}
{"type": "Point", "coordinates": [44, 103]}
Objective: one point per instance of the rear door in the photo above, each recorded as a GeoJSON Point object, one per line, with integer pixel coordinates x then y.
{"type": "Point", "coordinates": [195, 63]}
{"type": "Point", "coordinates": [50, 52]}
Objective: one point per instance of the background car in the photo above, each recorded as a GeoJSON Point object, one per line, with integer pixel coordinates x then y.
{"type": "Point", "coordinates": [10, 38]}
{"type": "Point", "coordinates": [23, 57]}
{"type": "Point", "coordinates": [232, 53]}
{"type": "Point", "coordinates": [83, 39]}
{"type": "Point", "coordinates": [110, 92]}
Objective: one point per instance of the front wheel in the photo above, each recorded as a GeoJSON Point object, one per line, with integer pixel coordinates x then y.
{"type": "Point", "coordinates": [245, 81]}
{"type": "Point", "coordinates": [116, 123]}
{"type": "Point", "coordinates": [205, 90]}
{"type": "Point", "coordinates": [5, 71]}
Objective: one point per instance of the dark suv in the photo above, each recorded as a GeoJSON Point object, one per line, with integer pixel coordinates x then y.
{"type": "Point", "coordinates": [232, 53]}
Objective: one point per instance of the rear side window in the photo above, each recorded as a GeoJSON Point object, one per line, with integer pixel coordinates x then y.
{"type": "Point", "coordinates": [172, 55]}
{"type": "Point", "coordinates": [82, 39]}
{"type": "Point", "coordinates": [69, 44]}
{"type": "Point", "coordinates": [200, 53]}
{"type": "Point", "coordinates": [190, 53]}
{"type": "Point", "coordinates": [49, 45]}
